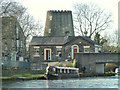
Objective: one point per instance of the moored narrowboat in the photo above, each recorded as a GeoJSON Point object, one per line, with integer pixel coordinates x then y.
{"type": "Point", "coordinates": [55, 72]}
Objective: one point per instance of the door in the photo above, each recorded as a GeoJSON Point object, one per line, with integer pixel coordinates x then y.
{"type": "Point", "coordinates": [75, 49]}
{"type": "Point", "coordinates": [47, 54]}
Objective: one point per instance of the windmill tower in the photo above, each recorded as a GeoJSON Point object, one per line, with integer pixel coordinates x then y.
{"type": "Point", "coordinates": [59, 23]}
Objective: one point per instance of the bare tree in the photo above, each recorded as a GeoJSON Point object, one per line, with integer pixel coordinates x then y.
{"type": "Point", "coordinates": [12, 9]}
{"type": "Point", "coordinates": [90, 19]}
{"type": "Point", "coordinates": [28, 24]}
{"type": "Point", "coordinates": [112, 39]}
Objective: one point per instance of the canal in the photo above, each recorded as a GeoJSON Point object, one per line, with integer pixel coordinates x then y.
{"type": "Point", "coordinates": [86, 82]}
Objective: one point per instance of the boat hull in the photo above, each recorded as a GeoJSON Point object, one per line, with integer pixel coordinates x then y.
{"type": "Point", "coordinates": [60, 76]}
{"type": "Point", "coordinates": [50, 76]}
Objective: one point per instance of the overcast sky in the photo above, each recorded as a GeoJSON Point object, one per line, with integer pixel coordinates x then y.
{"type": "Point", "coordinates": [38, 8]}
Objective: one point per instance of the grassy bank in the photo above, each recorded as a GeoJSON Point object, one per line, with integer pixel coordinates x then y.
{"type": "Point", "coordinates": [21, 74]}
{"type": "Point", "coordinates": [23, 77]}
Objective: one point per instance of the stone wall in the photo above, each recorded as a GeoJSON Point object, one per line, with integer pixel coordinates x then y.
{"type": "Point", "coordinates": [90, 60]}
{"type": "Point", "coordinates": [41, 52]}
{"type": "Point", "coordinates": [80, 42]}
{"type": "Point", "coordinates": [59, 23]}
{"type": "Point", "coordinates": [10, 26]}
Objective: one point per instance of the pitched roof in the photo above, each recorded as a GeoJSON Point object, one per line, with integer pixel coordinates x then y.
{"type": "Point", "coordinates": [48, 40]}
{"type": "Point", "coordinates": [88, 39]}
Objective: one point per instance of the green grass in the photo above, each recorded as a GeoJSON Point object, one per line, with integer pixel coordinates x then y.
{"type": "Point", "coordinates": [24, 76]}
{"type": "Point", "coordinates": [66, 64]}
{"type": "Point", "coordinates": [59, 64]}
{"type": "Point", "coordinates": [71, 64]}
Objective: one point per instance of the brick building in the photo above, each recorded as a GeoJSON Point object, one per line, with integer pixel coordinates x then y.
{"type": "Point", "coordinates": [48, 48]}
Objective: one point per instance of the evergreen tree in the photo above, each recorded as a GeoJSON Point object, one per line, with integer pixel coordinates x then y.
{"type": "Point", "coordinates": [99, 40]}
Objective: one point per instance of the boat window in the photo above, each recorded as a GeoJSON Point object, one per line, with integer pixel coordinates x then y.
{"type": "Point", "coordinates": [58, 70]}
{"type": "Point", "coordinates": [66, 71]}
{"type": "Point", "coordinates": [72, 71]}
{"type": "Point", "coordinates": [62, 70]}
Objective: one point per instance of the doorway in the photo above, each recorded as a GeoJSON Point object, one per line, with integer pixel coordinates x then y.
{"type": "Point", "coordinates": [47, 54]}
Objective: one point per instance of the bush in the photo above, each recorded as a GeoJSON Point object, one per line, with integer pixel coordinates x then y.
{"type": "Point", "coordinates": [59, 65]}
{"type": "Point", "coordinates": [71, 64]}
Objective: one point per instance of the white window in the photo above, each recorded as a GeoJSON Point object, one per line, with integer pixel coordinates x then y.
{"type": "Point", "coordinates": [86, 49]}
{"type": "Point", "coordinates": [17, 31]}
{"type": "Point", "coordinates": [17, 43]}
{"type": "Point", "coordinates": [59, 51]}
{"type": "Point", "coordinates": [49, 31]}
{"type": "Point", "coordinates": [50, 18]}
{"type": "Point", "coordinates": [98, 48]}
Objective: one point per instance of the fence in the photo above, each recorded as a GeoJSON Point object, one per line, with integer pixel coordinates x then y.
{"type": "Point", "coordinates": [24, 65]}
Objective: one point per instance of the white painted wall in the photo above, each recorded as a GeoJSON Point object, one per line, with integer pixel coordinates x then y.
{"type": "Point", "coordinates": [99, 68]}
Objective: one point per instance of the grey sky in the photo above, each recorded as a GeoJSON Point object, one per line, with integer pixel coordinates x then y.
{"type": "Point", "coordinates": [38, 8]}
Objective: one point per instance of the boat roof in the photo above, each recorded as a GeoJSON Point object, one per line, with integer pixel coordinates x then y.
{"type": "Point", "coordinates": [65, 68]}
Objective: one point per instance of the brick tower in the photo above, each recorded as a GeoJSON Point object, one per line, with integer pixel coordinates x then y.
{"type": "Point", "coordinates": [59, 23]}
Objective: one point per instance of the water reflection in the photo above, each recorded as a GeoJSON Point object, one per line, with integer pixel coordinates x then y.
{"type": "Point", "coordinates": [99, 82]}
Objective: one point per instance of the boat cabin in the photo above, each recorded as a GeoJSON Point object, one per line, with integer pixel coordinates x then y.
{"type": "Point", "coordinates": [62, 72]}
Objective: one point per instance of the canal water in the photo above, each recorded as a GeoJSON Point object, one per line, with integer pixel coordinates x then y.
{"type": "Point", "coordinates": [87, 82]}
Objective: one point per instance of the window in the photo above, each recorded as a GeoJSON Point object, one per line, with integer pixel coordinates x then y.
{"type": "Point", "coordinates": [59, 51]}
{"type": "Point", "coordinates": [97, 48]}
{"type": "Point", "coordinates": [17, 43]}
{"type": "Point", "coordinates": [36, 51]}
{"type": "Point", "coordinates": [12, 43]}
{"type": "Point", "coordinates": [50, 18]}
{"type": "Point", "coordinates": [6, 48]}
{"type": "Point", "coordinates": [86, 49]}
{"type": "Point", "coordinates": [21, 43]}
{"type": "Point", "coordinates": [49, 31]}
{"type": "Point", "coordinates": [17, 31]}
